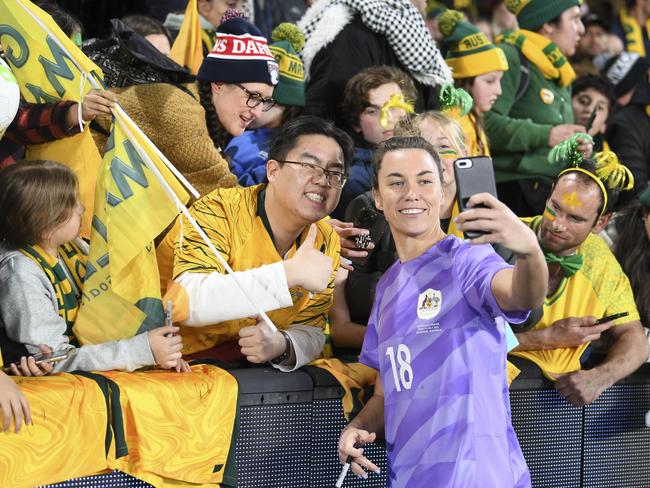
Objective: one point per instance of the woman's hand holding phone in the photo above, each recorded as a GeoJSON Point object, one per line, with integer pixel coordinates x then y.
{"type": "Point", "coordinates": [501, 226]}
{"type": "Point", "coordinates": [37, 365]}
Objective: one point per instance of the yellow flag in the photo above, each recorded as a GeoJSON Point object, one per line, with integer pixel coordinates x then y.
{"type": "Point", "coordinates": [121, 291]}
{"type": "Point", "coordinates": [187, 49]}
{"type": "Point", "coordinates": [49, 68]}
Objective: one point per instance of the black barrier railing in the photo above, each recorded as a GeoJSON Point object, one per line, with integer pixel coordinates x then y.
{"type": "Point", "coordinates": [289, 425]}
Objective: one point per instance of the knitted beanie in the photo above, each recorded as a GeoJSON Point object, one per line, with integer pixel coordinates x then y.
{"type": "Point", "coordinates": [241, 54]}
{"type": "Point", "coordinates": [625, 71]}
{"type": "Point", "coordinates": [532, 14]}
{"type": "Point", "coordinates": [469, 51]}
{"type": "Point", "coordinates": [645, 197]}
{"type": "Point", "coordinates": [288, 40]}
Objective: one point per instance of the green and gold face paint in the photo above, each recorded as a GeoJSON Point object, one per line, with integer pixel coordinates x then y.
{"type": "Point", "coordinates": [571, 199]}
{"type": "Point", "coordinates": [76, 38]}
{"type": "Point", "coordinates": [549, 214]}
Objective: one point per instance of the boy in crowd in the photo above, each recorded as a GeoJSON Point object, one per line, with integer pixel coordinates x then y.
{"type": "Point", "coordinates": [374, 100]}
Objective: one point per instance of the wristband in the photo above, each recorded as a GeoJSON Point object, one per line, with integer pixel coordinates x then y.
{"type": "Point", "coordinates": [287, 350]}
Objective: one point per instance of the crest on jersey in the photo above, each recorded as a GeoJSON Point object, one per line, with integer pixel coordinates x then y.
{"type": "Point", "coordinates": [429, 303]}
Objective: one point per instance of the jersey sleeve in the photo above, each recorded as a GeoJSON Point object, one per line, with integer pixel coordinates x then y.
{"type": "Point", "coordinates": [191, 253]}
{"type": "Point", "coordinates": [476, 267]}
{"type": "Point", "coordinates": [370, 348]}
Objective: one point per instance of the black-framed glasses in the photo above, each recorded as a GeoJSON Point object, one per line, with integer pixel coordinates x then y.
{"type": "Point", "coordinates": [333, 178]}
{"type": "Point", "coordinates": [255, 99]}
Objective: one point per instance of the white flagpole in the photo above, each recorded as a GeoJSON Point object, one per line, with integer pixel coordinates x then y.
{"type": "Point", "coordinates": [172, 195]}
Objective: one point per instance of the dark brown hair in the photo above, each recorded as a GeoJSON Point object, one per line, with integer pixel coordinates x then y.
{"type": "Point", "coordinates": [398, 143]}
{"type": "Point", "coordinates": [632, 249]}
{"type": "Point", "coordinates": [356, 95]}
{"type": "Point", "coordinates": [220, 136]}
{"type": "Point", "coordinates": [35, 198]}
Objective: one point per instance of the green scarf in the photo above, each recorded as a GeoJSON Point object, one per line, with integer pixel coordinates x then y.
{"type": "Point", "coordinates": [65, 297]}
{"type": "Point", "coordinates": [544, 54]}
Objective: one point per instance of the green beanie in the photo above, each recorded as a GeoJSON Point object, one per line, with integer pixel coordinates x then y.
{"type": "Point", "coordinates": [288, 40]}
{"type": "Point", "coordinates": [645, 198]}
{"type": "Point", "coordinates": [469, 52]}
{"type": "Point", "coordinates": [532, 14]}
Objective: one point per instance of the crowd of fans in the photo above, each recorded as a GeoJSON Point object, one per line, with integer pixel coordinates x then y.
{"type": "Point", "coordinates": [325, 165]}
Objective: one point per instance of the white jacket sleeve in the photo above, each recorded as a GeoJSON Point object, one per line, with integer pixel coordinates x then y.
{"type": "Point", "coordinates": [215, 297]}
{"type": "Point", "coordinates": [307, 342]}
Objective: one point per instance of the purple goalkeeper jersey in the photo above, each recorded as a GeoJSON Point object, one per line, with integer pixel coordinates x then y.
{"type": "Point", "coordinates": [436, 334]}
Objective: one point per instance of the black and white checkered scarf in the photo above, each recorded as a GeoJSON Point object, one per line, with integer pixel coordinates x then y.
{"type": "Point", "coordinates": [398, 20]}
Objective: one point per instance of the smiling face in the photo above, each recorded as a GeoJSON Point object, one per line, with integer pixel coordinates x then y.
{"type": "Point", "coordinates": [304, 196]}
{"type": "Point", "coordinates": [369, 125]}
{"type": "Point", "coordinates": [575, 205]}
{"type": "Point", "coordinates": [409, 193]}
{"type": "Point", "coordinates": [230, 102]}
{"type": "Point", "coordinates": [584, 103]}
{"type": "Point", "coordinates": [486, 89]}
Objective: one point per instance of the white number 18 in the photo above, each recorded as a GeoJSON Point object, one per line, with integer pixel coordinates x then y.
{"type": "Point", "coordinates": [404, 378]}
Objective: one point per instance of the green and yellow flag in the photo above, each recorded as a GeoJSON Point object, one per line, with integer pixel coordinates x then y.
{"type": "Point", "coordinates": [188, 48]}
{"type": "Point", "coordinates": [121, 292]}
{"type": "Point", "coordinates": [49, 68]}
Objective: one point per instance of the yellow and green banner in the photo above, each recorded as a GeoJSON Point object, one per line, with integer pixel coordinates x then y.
{"type": "Point", "coordinates": [49, 67]}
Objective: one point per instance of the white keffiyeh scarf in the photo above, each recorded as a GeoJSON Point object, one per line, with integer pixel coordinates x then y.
{"type": "Point", "coordinates": [398, 20]}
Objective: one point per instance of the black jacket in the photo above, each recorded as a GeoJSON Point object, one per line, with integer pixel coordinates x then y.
{"type": "Point", "coordinates": [356, 47]}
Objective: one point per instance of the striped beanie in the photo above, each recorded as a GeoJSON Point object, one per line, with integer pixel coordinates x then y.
{"type": "Point", "coordinates": [469, 52]}
{"type": "Point", "coordinates": [241, 54]}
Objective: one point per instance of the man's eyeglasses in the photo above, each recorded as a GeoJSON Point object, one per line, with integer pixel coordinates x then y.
{"type": "Point", "coordinates": [315, 172]}
{"type": "Point", "coordinates": [254, 99]}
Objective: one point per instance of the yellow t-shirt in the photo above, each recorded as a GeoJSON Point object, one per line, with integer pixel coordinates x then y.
{"type": "Point", "coordinates": [235, 221]}
{"type": "Point", "coordinates": [600, 288]}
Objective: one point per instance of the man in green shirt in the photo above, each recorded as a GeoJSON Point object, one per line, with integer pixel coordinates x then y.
{"type": "Point", "coordinates": [534, 112]}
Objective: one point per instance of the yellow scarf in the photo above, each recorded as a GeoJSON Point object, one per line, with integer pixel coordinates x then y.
{"type": "Point", "coordinates": [544, 54]}
{"type": "Point", "coordinates": [633, 36]}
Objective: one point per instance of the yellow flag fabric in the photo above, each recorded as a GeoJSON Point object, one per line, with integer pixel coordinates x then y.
{"type": "Point", "coordinates": [354, 378]}
{"type": "Point", "coordinates": [178, 426]}
{"type": "Point", "coordinates": [187, 49]}
{"type": "Point", "coordinates": [121, 292]}
{"type": "Point", "coordinates": [66, 439]}
{"type": "Point", "coordinates": [49, 67]}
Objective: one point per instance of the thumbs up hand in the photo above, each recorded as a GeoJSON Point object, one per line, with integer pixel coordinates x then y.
{"type": "Point", "coordinates": [309, 268]}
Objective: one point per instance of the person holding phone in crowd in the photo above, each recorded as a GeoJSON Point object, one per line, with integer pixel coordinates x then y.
{"type": "Point", "coordinates": [40, 279]}
{"type": "Point", "coordinates": [437, 333]}
{"type": "Point", "coordinates": [585, 283]}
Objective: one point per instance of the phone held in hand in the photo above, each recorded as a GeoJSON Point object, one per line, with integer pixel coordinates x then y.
{"type": "Point", "coordinates": [473, 175]}
{"type": "Point", "coordinates": [54, 357]}
{"type": "Point", "coordinates": [365, 220]}
{"type": "Point", "coordinates": [609, 318]}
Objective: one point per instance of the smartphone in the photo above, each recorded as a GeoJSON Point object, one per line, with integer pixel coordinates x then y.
{"type": "Point", "coordinates": [54, 357]}
{"type": "Point", "coordinates": [374, 222]}
{"type": "Point", "coordinates": [590, 120]}
{"type": "Point", "coordinates": [615, 316]}
{"type": "Point", "coordinates": [473, 175]}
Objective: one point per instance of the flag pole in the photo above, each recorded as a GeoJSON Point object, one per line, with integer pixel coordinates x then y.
{"type": "Point", "coordinates": [119, 112]}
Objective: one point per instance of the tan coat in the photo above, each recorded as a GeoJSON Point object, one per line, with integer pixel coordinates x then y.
{"type": "Point", "coordinates": [175, 123]}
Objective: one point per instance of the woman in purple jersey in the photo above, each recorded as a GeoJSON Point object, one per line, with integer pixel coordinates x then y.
{"type": "Point", "coordinates": [436, 333]}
